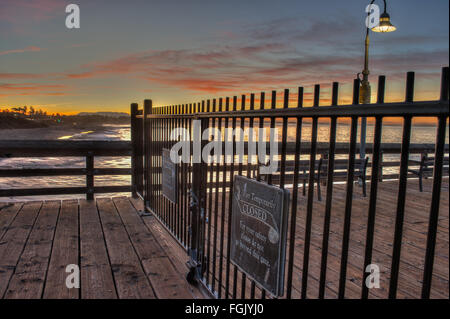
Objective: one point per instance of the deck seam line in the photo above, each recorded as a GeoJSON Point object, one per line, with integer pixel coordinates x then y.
{"type": "Point", "coordinates": [141, 218]}
{"type": "Point", "coordinates": [51, 250]}
{"type": "Point", "coordinates": [23, 249]}
{"type": "Point", "coordinates": [162, 248]}
{"type": "Point", "coordinates": [134, 248]}
{"type": "Point", "coordinates": [12, 220]}
{"type": "Point", "coordinates": [107, 250]}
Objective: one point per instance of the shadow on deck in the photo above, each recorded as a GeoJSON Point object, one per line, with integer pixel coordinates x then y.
{"type": "Point", "coordinates": [120, 253]}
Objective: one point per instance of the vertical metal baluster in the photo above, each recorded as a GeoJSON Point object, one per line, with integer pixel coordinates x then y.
{"type": "Point", "coordinates": [174, 206]}
{"type": "Point", "coordinates": [243, 98]}
{"type": "Point", "coordinates": [261, 126]}
{"type": "Point", "coordinates": [163, 145]}
{"type": "Point", "coordinates": [284, 140]}
{"type": "Point", "coordinates": [436, 192]}
{"type": "Point", "coordinates": [169, 123]}
{"type": "Point", "coordinates": [161, 125]}
{"type": "Point", "coordinates": [211, 124]}
{"type": "Point", "coordinates": [191, 110]}
{"type": "Point", "coordinates": [273, 106]}
{"type": "Point", "coordinates": [165, 123]}
{"type": "Point", "coordinates": [376, 156]}
{"type": "Point", "coordinates": [298, 140]}
{"type": "Point", "coordinates": [179, 169]}
{"type": "Point", "coordinates": [250, 168]}
{"type": "Point", "coordinates": [182, 178]}
{"type": "Point", "coordinates": [231, 203]}
{"type": "Point", "coordinates": [309, 209]}
{"type": "Point", "coordinates": [163, 140]}
{"type": "Point", "coordinates": [151, 159]}
{"type": "Point", "coordinates": [216, 200]}
{"type": "Point", "coordinates": [349, 195]}
{"type": "Point", "coordinates": [329, 199]}
{"type": "Point", "coordinates": [167, 139]}
{"type": "Point", "coordinates": [181, 200]}
{"type": "Point", "coordinates": [166, 129]}
{"type": "Point", "coordinates": [169, 128]}
{"type": "Point", "coordinates": [186, 174]}
{"type": "Point", "coordinates": [157, 152]}
{"type": "Point", "coordinates": [250, 137]}
{"type": "Point", "coordinates": [227, 270]}
{"type": "Point", "coordinates": [224, 189]}
{"type": "Point", "coordinates": [401, 198]}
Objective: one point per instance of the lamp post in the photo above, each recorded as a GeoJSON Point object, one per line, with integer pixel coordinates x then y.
{"type": "Point", "coordinates": [385, 25]}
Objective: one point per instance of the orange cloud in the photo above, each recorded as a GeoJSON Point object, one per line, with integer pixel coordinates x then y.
{"type": "Point", "coordinates": [20, 75]}
{"type": "Point", "coordinates": [29, 87]}
{"type": "Point", "coordinates": [27, 49]}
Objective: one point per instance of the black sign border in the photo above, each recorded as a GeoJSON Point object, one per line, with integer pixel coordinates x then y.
{"type": "Point", "coordinates": [279, 290]}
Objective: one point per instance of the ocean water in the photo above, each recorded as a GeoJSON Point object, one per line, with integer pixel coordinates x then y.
{"type": "Point", "coordinates": [391, 134]}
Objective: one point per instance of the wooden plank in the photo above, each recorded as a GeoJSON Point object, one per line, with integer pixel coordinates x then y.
{"type": "Point", "coordinates": [172, 248]}
{"type": "Point", "coordinates": [96, 275]}
{"type": "Point", "coordinates": [65, 252]}
{"type": "Point", "coordinates": [7, 215]}
{"type": "Point", "coordinates": [29, 276]}
{"type": "Point", "coordinates": [131, 281]}
{"type": "Point", "coordinates": [13, 242]}
{"type": "Point", "coordinates": [62, 190]}
{"type": "Point", "coordinates": [165, 280]}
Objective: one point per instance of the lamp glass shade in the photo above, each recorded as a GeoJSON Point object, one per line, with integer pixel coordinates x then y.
{"type": "Point", "coordinates": [385, 24]}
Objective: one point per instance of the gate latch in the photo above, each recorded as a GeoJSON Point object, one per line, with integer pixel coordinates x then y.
{"type": "Point", "coordinates": [193, 264]}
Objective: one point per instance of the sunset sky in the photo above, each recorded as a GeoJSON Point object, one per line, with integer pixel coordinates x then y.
{"type": "Point", "coordinates": [184, 51]}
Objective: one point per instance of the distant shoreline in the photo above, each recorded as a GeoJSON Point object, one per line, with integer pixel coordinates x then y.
{"type": "Point", "coordinates": [9, 120]}
{"type": "Point", "coordinates": [49, 133]}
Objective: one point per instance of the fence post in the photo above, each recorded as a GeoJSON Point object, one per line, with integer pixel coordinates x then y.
{"type": "Point", "coordinates": [148, 109]}
{"type": "Point", "coordinates": [134, 149]}
{"type": "Point", "coordinates": [197, 209]}
{"type": "Point", "coordinates": [90, 176]}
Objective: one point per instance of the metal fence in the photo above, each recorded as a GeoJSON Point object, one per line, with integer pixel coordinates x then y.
{"type": "Point", "coordinates": [200, 218]}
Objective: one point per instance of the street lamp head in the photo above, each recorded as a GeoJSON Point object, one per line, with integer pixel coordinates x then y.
{"type": "Point", "coordinates": [385, 24]}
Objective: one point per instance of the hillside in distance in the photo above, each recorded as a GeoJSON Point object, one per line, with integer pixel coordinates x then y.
{"type": "Point", "coordinates": [12, 119]}
{"type": "Point", "coordinates": [105, 114]}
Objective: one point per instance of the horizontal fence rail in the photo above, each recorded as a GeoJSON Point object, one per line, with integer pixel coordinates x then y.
{"type": "Point", "coordinates": [321, 258]}
{"type": "Point", "coordinates": [87, 149]}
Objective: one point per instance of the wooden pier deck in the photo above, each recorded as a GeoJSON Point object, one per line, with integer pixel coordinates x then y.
{"type": "Point", "coordinates": [415, 230]}
{"type": "Point", "coordinates": [120, 253]}
{"type": "Point", "coordinates": [123, 254]}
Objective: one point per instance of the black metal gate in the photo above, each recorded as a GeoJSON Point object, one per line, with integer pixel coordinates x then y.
{"type": "Point", "coordinates": [200, 219]}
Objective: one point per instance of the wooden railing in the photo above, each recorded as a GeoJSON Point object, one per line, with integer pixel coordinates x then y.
{"type": "Point", "coordinates": [87, 149]}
